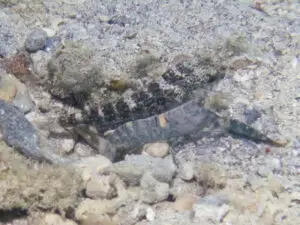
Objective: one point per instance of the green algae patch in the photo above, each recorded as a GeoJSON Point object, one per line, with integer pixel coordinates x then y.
{"type": "Point", "coordinates": [30, 186]}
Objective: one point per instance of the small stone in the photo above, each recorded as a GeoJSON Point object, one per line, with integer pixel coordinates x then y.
{"type": "Point", "coordinates": [275, 184]}
{"type": "Point", "coordinates": [53, 219]}
{"type": "Point", "coordinates": [103, 18]}
{"type": "Point", "coordinates": [40, 63]}
{"type": "Point", "coordinates": [18, 132]}
{"type": "Point", "coordinates": [134, 166]}
{"type": "Point", "coordinates": [152, 190]}
{"type": "Point", "coordinates": [210, 175]}
{"type": "Point", "coordinates": [210, 209]}
{"type": "Point", "coordinates": [50, 32]}
{"type": "Point", "coordinates": [274, 163]}
{"type": "Point", "coordinates": [8, 92]}
{"type": "Point", "coordinates": [83, 150]}
{"type": "Point", "coordinates": [264, 171]}
{"type": "Point", "coordinates": [185, 202]}
{"type": "Point", "coordinates": [214, 200]}
{"type": "Point", "coordinates": [180, 188]}
{"type": "Point", "coordinates": [18, 65]}
{"type": "Point", "coordinates": [150, 214]}
{"type": "Point", "coordinates": [158, 149]}
{"type": "Point", "coordinates": [96, 211]}
{"type": "Point", "coordinates": [92, 166]}
{"type": "Point", "coordinates": [100, 187]}
{"type": "Point", "coordinates": [16, 92]}
{"type": "Point", "coordinates": [67, 145]}
{"type": "Point", "coordinates": [36, 40]}
{"type": "Point", "coordinates": [255, 182]}
{"type": "Point", "coordinates": [186, 171]}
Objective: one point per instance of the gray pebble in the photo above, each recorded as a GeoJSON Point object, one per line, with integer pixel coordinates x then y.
{"type": "Point", "coordinates": [264, 171]}
{"type": "Point", "coordinates": [36, 40]}
{"type": "Point", "coordinates": [214, 200]}
{"type": "Point", "coordinates": [135, 166]}
{"type": "Point", "coordinates": [18, 132]}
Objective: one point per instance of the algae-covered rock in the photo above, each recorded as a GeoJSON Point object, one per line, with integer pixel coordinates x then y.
{"type": "Point", "coordinates": [39, 186]}
{"type": "Point", "coordinates": [73, 70]}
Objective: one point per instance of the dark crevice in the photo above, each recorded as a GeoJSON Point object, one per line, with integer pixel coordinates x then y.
{"type": "Point", "coordinates": [9, 215]}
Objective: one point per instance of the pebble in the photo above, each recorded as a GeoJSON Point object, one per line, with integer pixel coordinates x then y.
{"type": "Point", "coordinates": [255, 182]}
{"type": "Point", "coordinates": [152, 190]}
{"type": "Point", "coordinates": [186, 171]}
{"type": "Point", "coordinates": [8, 92]}
{"type": "Point", "coordinates": [210, 175]}
{"type": "Point", "coordinates": [40, 63]}
{"type": "Point", "coordinates": [215, 200]}
{"type": "Point", "coordinates": [100, 187]}
{"type": "Point", "coordinates": [264, 171]}
{"type": "Point", "coordinates": [12, 90]}
{"type": "Point", "coordinates": [274, 163]}
{"type": "Point", "coordinates": [18, 132]}
{"type": "Point", "coordinates": [66, 145]}
{"type": "Point", "coordinates": [158, 149]}
{"type": "Point", "coordinates": [93, 212]}
{"type": "Point", "coordinates": [36, 40]}
{"type": "Point", "coordinates": [185, 202]}
{"type": "Point", "coordinates": [82, 150]}
{"type": "Point", "coordinates": [134, 166]}
{"type": "Point", "coordinates": [213, 210]}
{"type": "Point", "coordinates": [181, 187]}
{"type": "Point", "coordinates": [53, 219]}
{"type": "Point", "coordinates": [150, 214]}
{"type": "Point", "coordinates": [92, 166]}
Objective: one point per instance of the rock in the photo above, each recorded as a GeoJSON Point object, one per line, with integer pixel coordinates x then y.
{"type": "Point", "coordinates": [158, 149]}
{"type": "Point", "coordinates": [185, 202]}
{"type": "Point", "coordinates": [275, 184]}
{"type": "Point", "coordinates": [211, 208]}
{"type": "Point", "coordinates": [134, 166]}
{"type": "Point", "coordinates": [8, 91]}
{"type": "Point", "coordinates": [97, 210]}
{"type": "Point", "coordinates": [36, 40]}
{"type": "Point", "coordinates": [40, 64]}
{"type": "Point", "coordinates": [100, 187]}
{"type": "Point", "coordinates": [152, 190]}
{"type": "Point", "coordinates": [83, 150]}
{"type": "Point", "coordinates": [131, 213]}
{"type": "Point", "coordinates": [91, 136]}
{"type": "Point", "coordinates": [274, 164]}
{"type": "Point", "coordinates": [180, 188]}
{"type": "Point", "coordinates": [53, 219]}
{"type": "Point", "coordinates": [186, 171]}
{"type": "Point", "coordinates": [255, 182]}
{"type": "Point", "coordinates": [264, 171]}
{"type": "Point", "coordinates": [150, 214]}
{"type": "Point", "coordinates": [91, 166]}
{"type": "Point", "coordinates": [16, 92]}
{"type": "Point", "coordinates": [66, 145]}
{"type": "Point", "coordinates": [215, 200]}
{"type": "Point", "coordinates": [18, 132]}
{"type": "Point", "coordinates": [18, 65]}
{"type": "Point", "coordinates": [210, 175]}
{"type": "Point", "coordinates": [9, 41]}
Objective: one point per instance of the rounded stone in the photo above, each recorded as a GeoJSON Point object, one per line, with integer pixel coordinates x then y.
{"type": "Point", "coordinates": [36, 40]}
{"type": "Point", "coordinates": [158, 149]}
